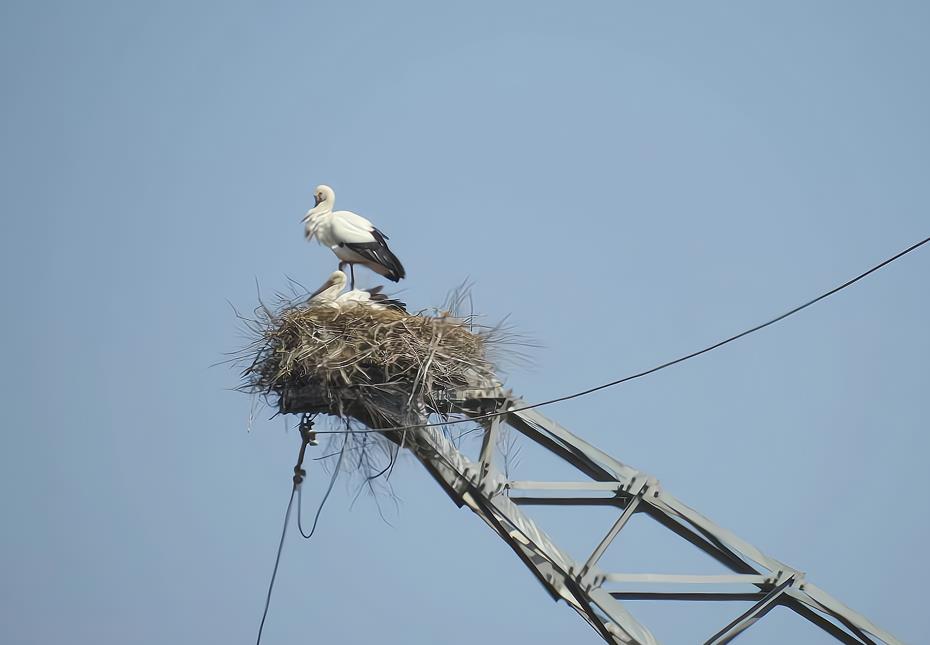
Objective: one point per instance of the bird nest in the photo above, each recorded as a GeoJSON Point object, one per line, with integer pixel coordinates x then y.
{"type": "Point", "coordinates": [370, 363]}
{"type": "Point", "coordinates": [377, 367]}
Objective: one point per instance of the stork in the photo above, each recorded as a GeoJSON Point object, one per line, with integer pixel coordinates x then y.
{"type": "Point", "coordinates": [330, 295]}
{"type": "Point", "coordinates": [351, 237]}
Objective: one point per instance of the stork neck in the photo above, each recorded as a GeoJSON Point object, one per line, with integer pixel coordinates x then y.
{"type": "Point", "coordinates": [323, 208]}
{"type": "Point", "coordinates": [318, 213]}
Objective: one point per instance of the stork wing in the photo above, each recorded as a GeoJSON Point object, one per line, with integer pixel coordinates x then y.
{"type": "Point", "coordinates": [378, 253]}
{"type": "Point", "coordinates": [377, 297]}
{"type": "Point", "coordinates": [349, 228]}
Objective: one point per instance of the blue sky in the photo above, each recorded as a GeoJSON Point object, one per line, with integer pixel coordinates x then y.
{"type": "Point", "coordinates": [680, 171]}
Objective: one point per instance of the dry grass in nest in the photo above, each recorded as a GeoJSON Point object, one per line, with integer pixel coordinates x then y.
{"type": "Point", "coordinates": [374, 359]}
{"type": "Point", "coordinates": [377, 354]}
{"type": "Point", "coordinates": [364, 346]}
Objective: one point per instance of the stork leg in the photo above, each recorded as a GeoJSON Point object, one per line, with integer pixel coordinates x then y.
{"type": "Point", "coordinates": [352, 272]}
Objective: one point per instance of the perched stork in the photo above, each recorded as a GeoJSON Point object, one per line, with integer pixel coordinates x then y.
{"type": "Point", "coordinates": [330, 295]}
{"type": "Point", "coordinates": [330, 291]}
{"type": "Point", "coordinates": [351, 237]}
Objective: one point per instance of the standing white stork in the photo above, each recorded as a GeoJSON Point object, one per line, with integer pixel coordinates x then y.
{"type": "Point", "coordinates": [351, 237]}
{"type": "Point", "coordinates": [330, 295]}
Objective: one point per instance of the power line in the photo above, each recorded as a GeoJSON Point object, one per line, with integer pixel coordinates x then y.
{"type": "Point", "coordinates": [277, 561]}
{"type": "Point", "coordinates": [306, 436]}
{"type": "Point", "coordinates": [681, 359]}
{"type": "Point", "coordinates": [329, 489]}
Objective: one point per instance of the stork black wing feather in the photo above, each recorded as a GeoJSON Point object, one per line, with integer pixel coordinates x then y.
{"type": "Point", "coordinates": [377, 252]}
{"type": "Point", "coordinates": [386, 301]}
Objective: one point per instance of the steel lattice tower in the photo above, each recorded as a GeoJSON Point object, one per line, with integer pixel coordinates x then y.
{"type": "Point", "coordinates": [592, 592]}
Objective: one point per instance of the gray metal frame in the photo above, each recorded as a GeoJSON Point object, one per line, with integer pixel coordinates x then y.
{"type": "Point", "coordinates": [592, 592]}
{"type": "Point", "coordinates": [587, 589]}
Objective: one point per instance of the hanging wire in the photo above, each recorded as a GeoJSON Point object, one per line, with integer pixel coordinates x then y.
{"type": "Point", "coordinates": [307, 437]}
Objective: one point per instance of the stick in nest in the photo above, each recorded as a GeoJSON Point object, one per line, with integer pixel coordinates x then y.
{"type": "Point", "coordinates": [368, 363]}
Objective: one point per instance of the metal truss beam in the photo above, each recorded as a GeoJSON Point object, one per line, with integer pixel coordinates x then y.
{"type": "Point", "coordinates": [604, 480]}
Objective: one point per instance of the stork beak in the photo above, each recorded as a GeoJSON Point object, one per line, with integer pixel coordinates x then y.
{"type": "Point", "coordinates": [316, 201]}
{"type": "Point", "coordinates": [326, 285]}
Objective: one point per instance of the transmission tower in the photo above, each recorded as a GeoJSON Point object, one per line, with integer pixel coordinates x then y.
{"type": "Point", "coordinates": [591, 591]}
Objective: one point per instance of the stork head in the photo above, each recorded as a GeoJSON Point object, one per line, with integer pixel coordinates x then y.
{"type": "Point", "coordinates": [323, 195]}
{"type": "Point", "coordinates": [338, 279]}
